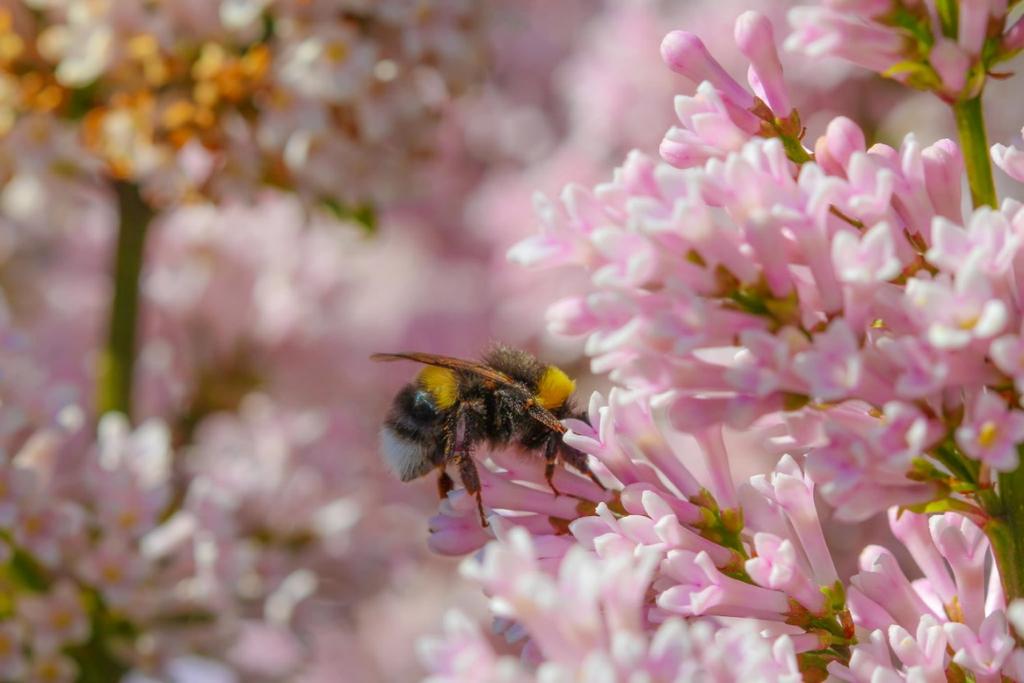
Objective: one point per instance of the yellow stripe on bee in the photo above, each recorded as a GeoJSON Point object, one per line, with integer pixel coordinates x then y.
{"type": "Point", "coordinates": [554, 388]}
{"type": "Point", "coordinates": [442, 384]}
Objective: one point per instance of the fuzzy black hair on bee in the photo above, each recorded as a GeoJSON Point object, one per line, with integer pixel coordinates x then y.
{"type": "Point", "coordinates": [509, 398]}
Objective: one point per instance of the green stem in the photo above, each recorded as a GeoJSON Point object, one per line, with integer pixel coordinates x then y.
{"type": "Point", "coordinates": [970, 125]}
{"type": "Point", "coordinates": [118, 359]}
{"type": "Point", "coordinates": [795, 150]}
{"type": "Point", "coordinates": [1006, 533]}
{"type": "Point", "coordinates": [949, 17]}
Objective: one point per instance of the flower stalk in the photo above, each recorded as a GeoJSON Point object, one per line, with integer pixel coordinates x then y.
{"type": "Point", "coordinates": [970, 125]}
{"type": "Point", "coordinates": [117, 362]}
{"type": "Point", "coordinates": [1006, 533]}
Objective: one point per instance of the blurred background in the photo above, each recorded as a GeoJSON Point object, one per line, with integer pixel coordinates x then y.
{"type": "Point", "coordinates": [268, 191]}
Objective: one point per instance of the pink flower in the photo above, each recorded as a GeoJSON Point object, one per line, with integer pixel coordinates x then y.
{"type": "Point", "coordinates": [776, 567]}
{"type": "Point", "coordinates": [12, 659]}
{"type": "Point", "coordinates": [959, 311]}
{"type": "Point", "coordinates": [923, 653]}
{"type": "Point", "coordinates": [832, 366]}
{"type": "Point", "coordinates": [115, 568]}
{"type": "Point", "coordinates": [1007, 352]}
{"type": "Point", "coordinates": [43, 528]}
{"type": "Point", "coordinates": [702, 589]}
{"type": "Point", "coordinates": [56, 619]}
{"type": "Point", "coordinates": [875, 38]}
{"type": "Point", "coordinates": [756, 40]}
{"type": "Point", "coordinates": [991, 432]}
{"type": "Point", "coordinates": [52, 667]}
{"type": "Point", "coordinates": [1010, 160]}
{"type": "Point", "coordinates": [821, 31]}
{"type": "Point", "coordinates": [464, 654]}
{"type": "Point", "coordinates": [988, 238]}
{"type": "Point", "coordinates": [871, 258]}
{"type": "Point", "coordinates": [984, 651]}
{"type": "Point", "coordinates": [606, 633]}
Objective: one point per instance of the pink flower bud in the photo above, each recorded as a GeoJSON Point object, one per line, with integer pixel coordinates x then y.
{"type": "Point", "coordinates": [868, 9]}
{"type": "Point", "coordinates": [844, 138]}
{"type": "Point", "coordinates": [686, 55]}
{"type": "Point", "coordinates": [951, 63]}
{"type": "Point", "coordinates": [1013, 39]}
{"type": "Point", "coordinates": [973, 25]}
{"type": "Point", "coordinates": [912, 531]}
{"type": "Point", "coordinates": [943, 173]}
{"type": "Point", "coordinates": [966, 549]}
{"type": "Point", "coordinates": [756, 41]}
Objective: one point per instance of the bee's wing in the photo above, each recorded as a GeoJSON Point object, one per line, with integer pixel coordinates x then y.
{"type": "Point", "coordinates": [544, 416]}
{"type": "Point", "coordinates": [451, 363]}
{"type": "Point", "coordinates": [537, 412]}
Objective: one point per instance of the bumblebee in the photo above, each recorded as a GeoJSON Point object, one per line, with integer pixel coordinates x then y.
{"type": "Point", "coordinates": [453, 405]}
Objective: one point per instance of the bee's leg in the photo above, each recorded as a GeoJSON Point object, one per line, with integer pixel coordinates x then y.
{"type": "Point", "coordinates": [471, 480]}
{"type": "Point", "coordinates": [578, 461]}
{"type": "Point", "coordinates": [444, 455]}
{"type": "Point", "coordinates": [444, 483]}
{"type": "Point", "coordinates": [550, 456]}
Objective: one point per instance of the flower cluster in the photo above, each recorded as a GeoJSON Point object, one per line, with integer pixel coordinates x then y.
{"type": "Point", "coordinates": [835, 299]}
{"type": "Point", "coordinates": [844, 288]}
{"type": "Point", "coordinates": [662, 550]}
{"type": "Point", "coordinates": [608, 635]}
{"type": "Point", "coordinates": [96, 579]}
{"type": "Point", "coordinates": [212, 98]}
{"type": "Point", "coordinates": [948, 48]}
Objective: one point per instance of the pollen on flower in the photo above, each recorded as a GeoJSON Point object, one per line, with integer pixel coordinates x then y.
{"type": "Point", "coordinates": [968, 323]}
{"type": "Point", "coordinates": [127, 520]}
{"type": "Point", "coordinates": [61, 619]}
{"type": "Point", "coordinates": [988, 434]}
{"type": "Point", "coordinates": [111, 573]}
{"type": "Point", "coordinates": [338, 51]}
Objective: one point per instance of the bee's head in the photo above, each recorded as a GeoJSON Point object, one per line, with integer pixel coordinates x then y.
{"type": "Point", "coordinates": [409, 437]}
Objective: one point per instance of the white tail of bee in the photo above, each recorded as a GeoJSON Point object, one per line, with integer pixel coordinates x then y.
{"type": "Point", "coordinates": [407, 458]}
